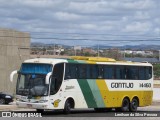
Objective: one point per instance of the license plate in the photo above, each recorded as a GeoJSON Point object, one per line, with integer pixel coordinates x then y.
{"type": "Point", "coordinates": [29, 105]}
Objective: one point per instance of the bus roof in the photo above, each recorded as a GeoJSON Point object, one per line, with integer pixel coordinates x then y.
{"type": "Point", "coordinates": [89, 60]}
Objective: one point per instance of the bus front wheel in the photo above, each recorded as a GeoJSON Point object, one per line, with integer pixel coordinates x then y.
{"type": "Point", "coordinates": [67, 107]}
{"type": "Point", "coordinates": [40, 110]}
{"type": "Point", "coordinates": [133, 105]}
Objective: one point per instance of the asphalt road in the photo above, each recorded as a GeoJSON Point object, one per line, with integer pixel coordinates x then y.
{"type": "Point", "coordinates": [90, 114]}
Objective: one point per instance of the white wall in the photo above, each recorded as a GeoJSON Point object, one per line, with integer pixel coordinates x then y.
{"type": "Point", "coordinates": [156, 94]}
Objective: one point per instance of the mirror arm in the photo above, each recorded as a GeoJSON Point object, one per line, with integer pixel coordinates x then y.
{"type": "Point", "coordinates": [12, 75]}
{"type": "Point", "coordinates": [48, 77]}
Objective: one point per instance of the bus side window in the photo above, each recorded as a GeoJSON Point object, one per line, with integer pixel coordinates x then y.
{"type": "Point", "coordinates": [93, 72]}
{"type": "Point", "coordinates": [82, 71]}
{"type": "Point", "coordinates": [148, 73]}
{"type": "Point", "coordinates": [109, 72]}
{"type": "Point", "coordinates": [100, 72]}
{"type": "Point", "coordinates": [120, 72]}
{"type": "Point", "coordinates": [71, 71]}
{"type": "Point", "coordinates": [142, 73]}
{"type": "Point", "coordinates": [132, 72]}
{"type": "Point", "coordinates": [57, 77]}
{"type": "Point", "coordinates": [67, 71]}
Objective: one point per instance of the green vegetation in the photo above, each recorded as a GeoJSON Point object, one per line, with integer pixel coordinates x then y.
{"type": "Point", "coordinates": [156, 68]}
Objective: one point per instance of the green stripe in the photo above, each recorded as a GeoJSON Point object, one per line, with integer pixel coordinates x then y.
{"type": "Point", "coordinates": [96, 93]}
{"type": "Point", "coordinates": [81, 61]}
{"type": "Point", "coordinates": [87, 93]}
{"type": "Point", "coordinates": [72, 61]}
{"type": "Point", "coordinates": [76, 61]}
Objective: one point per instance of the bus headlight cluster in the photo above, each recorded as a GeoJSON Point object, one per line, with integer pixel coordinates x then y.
{"type": "Point", "coordinates": [43, 101]}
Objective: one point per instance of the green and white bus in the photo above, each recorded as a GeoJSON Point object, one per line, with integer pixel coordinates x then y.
{"type": "Point", "coordinates": [83, 82]}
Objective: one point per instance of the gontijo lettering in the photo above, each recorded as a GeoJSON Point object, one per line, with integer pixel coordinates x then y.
{"type": "Point", "coordinates": [122, 85]}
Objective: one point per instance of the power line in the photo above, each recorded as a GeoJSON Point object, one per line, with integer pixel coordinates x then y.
{"type": "Point", "coordinates": [85, 39]}
{"type": "Point", "coordinates": [101, 34]}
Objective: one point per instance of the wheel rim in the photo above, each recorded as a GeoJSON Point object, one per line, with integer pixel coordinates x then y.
{"type": "Point", "coordinates": [125, 105]}
{"type": "Point", "coordinates": [134, 104]}
{"type": "Point", "coordinates": [68, 106]}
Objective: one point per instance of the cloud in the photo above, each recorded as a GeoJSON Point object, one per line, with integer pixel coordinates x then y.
{"type": "Point", "coordinates": [136, 27]}
{"type": "Point", "coordinates": [123, 17]}
{"type": "Point", "coordinates": [140, 15]}
{"type": "Point", "coordinates": [157, 31]}
{"type": "Point", "coordinates": [64, 16]}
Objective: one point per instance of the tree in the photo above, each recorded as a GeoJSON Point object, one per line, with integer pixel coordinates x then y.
{"type": "Point", "coordinates": [156, 69]}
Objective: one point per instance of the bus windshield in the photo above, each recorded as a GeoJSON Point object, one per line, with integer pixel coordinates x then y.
{"type": "Point", "coordinates": [31, 79]}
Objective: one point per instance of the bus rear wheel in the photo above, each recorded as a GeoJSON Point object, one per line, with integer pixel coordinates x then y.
{"type": "Point", "coordinates": [133, 105]}
{"type": "Point", "coordinates": [125, 105]}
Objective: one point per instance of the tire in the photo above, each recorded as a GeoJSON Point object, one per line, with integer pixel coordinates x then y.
{"type": "Point", "coordinates": [102, 109]}
{"type": "Point", "coordinates": [99, 109]}
{"type": "Point", "coordinates": [125, 105]}
{"type": "Point", "coordinates": [2, 101]}
{"type": "Point", "coordinates": [6, 103]}
{"type": "Point", "coordinates": [133, 105]}
{"type": "Point", "coordinates": [40, 110]}
{"type": "Point", "coordinates": [67, 107]}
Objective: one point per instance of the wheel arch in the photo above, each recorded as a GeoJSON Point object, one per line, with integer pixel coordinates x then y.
{"type": "Point", "coordinates": [71, 100]}
{"type": "Point", "coordinates": [136, 97]}
{"type": "Point", "coordinates": [127, 97]}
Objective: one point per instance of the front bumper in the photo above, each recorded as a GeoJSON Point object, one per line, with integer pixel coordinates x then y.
{"type": "Point", "coordinates": [32, 105]}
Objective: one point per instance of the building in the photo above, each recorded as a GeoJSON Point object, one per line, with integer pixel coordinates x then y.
{"type": "Point", "coordinates": [14, 49]}
{"type": "Point", "coordinates": [138, 59]}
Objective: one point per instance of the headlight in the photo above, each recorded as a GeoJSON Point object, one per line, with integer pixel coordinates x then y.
{"type": "Point", "coordinates": [7, 96]}
{"type": "Point", "coordinates": [43, 101]}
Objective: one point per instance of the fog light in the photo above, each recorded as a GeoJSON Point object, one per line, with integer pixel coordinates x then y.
{"type": "Point", "coordinates": [44, 106]}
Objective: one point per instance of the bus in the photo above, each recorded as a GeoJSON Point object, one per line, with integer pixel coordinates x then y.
{"type": "Point", "coordinates": [83, 82]}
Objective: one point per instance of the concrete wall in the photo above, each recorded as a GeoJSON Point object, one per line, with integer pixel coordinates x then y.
{"type": "Point", "coordinates": [14, 49]}
{"type": "Point", "coordinates": [156, 94]}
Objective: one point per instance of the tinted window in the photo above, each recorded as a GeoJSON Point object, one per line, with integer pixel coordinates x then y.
{"type": "Point", "coordinates": [109, 72]}
{"type": "Point", "coordinates": [148, 73]}
{"type": "Point", "coordinates": [93, 72]}
{"type": "Point", "coordinates": [71, 71]}
{"type": "Point", "coordinates": [120, 72]}
{"type": "Point", "coordinates": [100, 72]}
{"type": "Point", "coordinates": [142, 73]}
{"type": "Point", "coordinates": [57, 77]}
{"type": "Point", "coordinates": [132, 72]}
{"type": "Point", "coordinates": [82, 71]}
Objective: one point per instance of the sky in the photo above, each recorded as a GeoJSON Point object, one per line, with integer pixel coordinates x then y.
{"type": "Point", "coordinates": [84, 22]}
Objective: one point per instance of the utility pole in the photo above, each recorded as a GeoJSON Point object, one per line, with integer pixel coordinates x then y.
{"type": "Point", "coordinates": [159, 54]}
{"type": "Point", "coordinates": [98, 50]}
{"type": "Point", "coordinates": [54, 49]}
{"type": "Point", "coordinates": [75, 52]}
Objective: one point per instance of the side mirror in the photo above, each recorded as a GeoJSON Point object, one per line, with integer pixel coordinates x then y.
{"type": "Point", "coordinates": [12, 75]}
{"type": "Point", "coordinates": [48, 77]}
